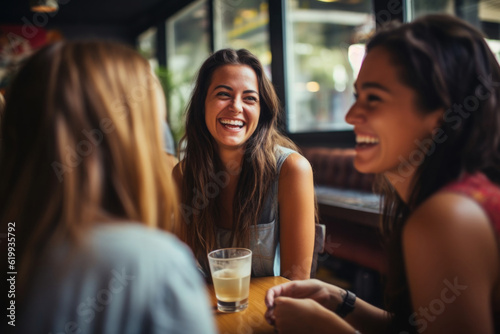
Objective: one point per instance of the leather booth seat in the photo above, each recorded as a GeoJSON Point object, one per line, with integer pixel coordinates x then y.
{"type": "Point", "coordinates": [347, 206]}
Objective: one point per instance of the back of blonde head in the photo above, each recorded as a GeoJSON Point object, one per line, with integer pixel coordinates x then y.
{"type": "Point", "coordinates": [82, 145]}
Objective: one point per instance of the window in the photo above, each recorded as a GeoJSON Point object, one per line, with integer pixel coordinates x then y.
{"type": "Point", "coordinates": [243, 25]}
{"type": "Point", "coordinates": [188, 45]}
{"type": "Point", "coordinates": [484, 14]}
{"type": "Point", "coordinates": [146, 45]}
{"type": "Point", "coordinates": [325, 47]}
{"type": "Point", "coordinates": [317, 51]}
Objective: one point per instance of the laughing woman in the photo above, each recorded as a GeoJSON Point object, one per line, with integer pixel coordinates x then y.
{"type": "Point", "coordinates": [428, 98]}
{"type": "Point", "coordinates": [242, 182]}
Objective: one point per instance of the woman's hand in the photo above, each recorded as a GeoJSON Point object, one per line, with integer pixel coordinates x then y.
{"type": "Point", "coordinates": [324, 294]}
{"type": "Point", "coordinates": [309, 306]}
{"type": "Point", "coordinates": [300, 316]}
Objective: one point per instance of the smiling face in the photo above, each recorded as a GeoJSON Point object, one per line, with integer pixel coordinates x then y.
{"type": "Point", "coordinates": [387, 122]}
{"type": "Point", "coordinates": [232, 106]}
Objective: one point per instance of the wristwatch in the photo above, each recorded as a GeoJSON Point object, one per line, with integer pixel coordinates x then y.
{"type": "Point", "coordinates": [347, 305]}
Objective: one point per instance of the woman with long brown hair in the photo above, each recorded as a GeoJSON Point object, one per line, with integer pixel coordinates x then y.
{"type": "Point", "coordinates": [242, 182]}
{"type": "Point", "coordinates": [427, 119]}
{"type": "Point", "coordinates": [86, 189]}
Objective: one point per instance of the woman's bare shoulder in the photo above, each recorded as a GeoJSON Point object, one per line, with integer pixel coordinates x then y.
{"type": "Point", "coordinates": [448, 212]}
{"type": "Point", "coordinates": [453, 232]}
{"type": "Point", "coordinates": [296, 164]}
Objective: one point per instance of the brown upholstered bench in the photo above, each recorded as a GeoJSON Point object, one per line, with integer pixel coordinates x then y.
{"type": "Point", "coordinates": [347, 206]}
{"type": "Point", "coordinates": [334, 167]}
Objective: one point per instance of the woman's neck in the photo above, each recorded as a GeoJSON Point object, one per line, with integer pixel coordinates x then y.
{"type": "Point", "coordinates": [232, 159]}
{"type": "Point", "coordinates": [401, 184]}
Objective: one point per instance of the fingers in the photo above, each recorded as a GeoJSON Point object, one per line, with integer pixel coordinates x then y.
{"type": "Point", "coordinates": [277, 291]}
{"type": "Point", "coordinates": [283, 301]}
{"type": "Point", "coordinates": [269, 300]}
{"type": "Point", "coordinates": [296, 289]}
{"type": "Point", "coordinates": [269, 316]}
{"type": "Point", "coordinates": [270, 295]}
{"type": "Point", "coordinates": [289, 314]}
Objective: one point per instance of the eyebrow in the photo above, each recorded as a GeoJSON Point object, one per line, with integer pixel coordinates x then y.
{"type": "Point", "coordinates": [373, 85]}
{"type": "Point", "coordinates": [229, 88]}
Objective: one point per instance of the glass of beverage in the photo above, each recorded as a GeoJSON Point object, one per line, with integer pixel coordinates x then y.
{"type": "Point", "coordinates": [231, 268]}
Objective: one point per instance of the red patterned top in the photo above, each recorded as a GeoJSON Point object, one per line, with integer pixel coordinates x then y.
{"type": "Point", "coordinates": [487, 194]}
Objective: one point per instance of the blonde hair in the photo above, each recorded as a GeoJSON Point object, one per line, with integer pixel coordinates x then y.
{"type": "Point", "coordinates": [82, 145]}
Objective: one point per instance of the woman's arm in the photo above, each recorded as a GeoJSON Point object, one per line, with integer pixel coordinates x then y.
{"type": "Point", "coordinates": [452, 265]}
{"type": "Point", "coordinates": [296, 298]}
{"type": "Point", "coordinates": [296, 210]}
{"type": "Point", "coordinates": [299, 316]}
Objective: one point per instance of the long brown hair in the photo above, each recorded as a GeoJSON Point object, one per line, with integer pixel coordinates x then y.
{"type": "Point", "coordinates": [81, 144]}
{"type": "Point", "coordinates": [448, 64]}
{"type": "Point", "coordinates": [202, 166]}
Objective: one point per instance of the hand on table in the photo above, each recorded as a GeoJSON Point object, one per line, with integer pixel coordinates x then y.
{"type": "Point", "coordinates": [298, 316]}
{"type": "Point", "coordinates": [305, 306]}
{"type": "Point", "coordinates": [293, 315]}
{"type": "Point", "coordinates": [325, 294]}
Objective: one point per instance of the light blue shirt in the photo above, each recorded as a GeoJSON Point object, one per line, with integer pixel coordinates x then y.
{"type": "Point", "coordinates": [128, 279]}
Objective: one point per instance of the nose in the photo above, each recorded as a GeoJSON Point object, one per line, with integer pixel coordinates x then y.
{"type": "Point", "coordinates": [237, 105]}
{"type": "Point", "coordinates": [355, 115]}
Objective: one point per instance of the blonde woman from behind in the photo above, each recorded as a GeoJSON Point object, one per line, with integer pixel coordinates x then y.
{"type": "Point", "coordinates": [86, 188]}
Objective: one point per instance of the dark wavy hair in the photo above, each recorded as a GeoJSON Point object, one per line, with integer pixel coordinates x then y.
{"type": "Point", "coordinates": [449, 65]}
{"type": "Point", "coordinates": [201, 162]}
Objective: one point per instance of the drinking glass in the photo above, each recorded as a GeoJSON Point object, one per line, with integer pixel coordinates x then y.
{"type": "Point", "coordinates": [231, 268]}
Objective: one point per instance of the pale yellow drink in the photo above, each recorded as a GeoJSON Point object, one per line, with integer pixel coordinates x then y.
{"type": "Point", "coordinates": [230, 286]}
{"type": "Point", "coordinates": [231, 269]}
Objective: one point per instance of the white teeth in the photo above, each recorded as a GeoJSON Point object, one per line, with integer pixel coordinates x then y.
{"type": "Point", "coordinates": [231, 122]}
{"type": "Point", "coordinates": [366, 140]}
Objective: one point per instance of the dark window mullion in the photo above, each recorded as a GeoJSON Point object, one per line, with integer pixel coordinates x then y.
{"type": "Point", "coordinates": [277, 38]}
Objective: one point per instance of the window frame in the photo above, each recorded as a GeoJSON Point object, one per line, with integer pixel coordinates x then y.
{"type": "Point", "coordinates": [383, 10]}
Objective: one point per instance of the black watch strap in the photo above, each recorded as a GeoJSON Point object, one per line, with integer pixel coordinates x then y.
{"type": "Point", "coordinates": [347, 305]}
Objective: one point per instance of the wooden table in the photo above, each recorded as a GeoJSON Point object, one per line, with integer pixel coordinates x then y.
{"type": "Point", "coordinates": [251, 320]}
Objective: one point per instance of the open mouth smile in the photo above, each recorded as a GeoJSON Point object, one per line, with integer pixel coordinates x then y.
{"type": "Point", "coordinates": [364, 141]}
{"type": "Point", "coordinates": [231, 124]}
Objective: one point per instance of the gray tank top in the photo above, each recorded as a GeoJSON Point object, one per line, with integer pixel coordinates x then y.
{"type": "Point", "coordinates": [264, 237]}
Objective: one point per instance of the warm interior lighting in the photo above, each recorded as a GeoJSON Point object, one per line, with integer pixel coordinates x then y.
{"type": "Point", "coordinates": [44, 6]}
{"type": "Point", "coordinates": [312, 86]}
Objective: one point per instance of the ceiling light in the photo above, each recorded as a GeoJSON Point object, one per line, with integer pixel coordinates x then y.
{"type": "Point", "coordinates": [44, 6]}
